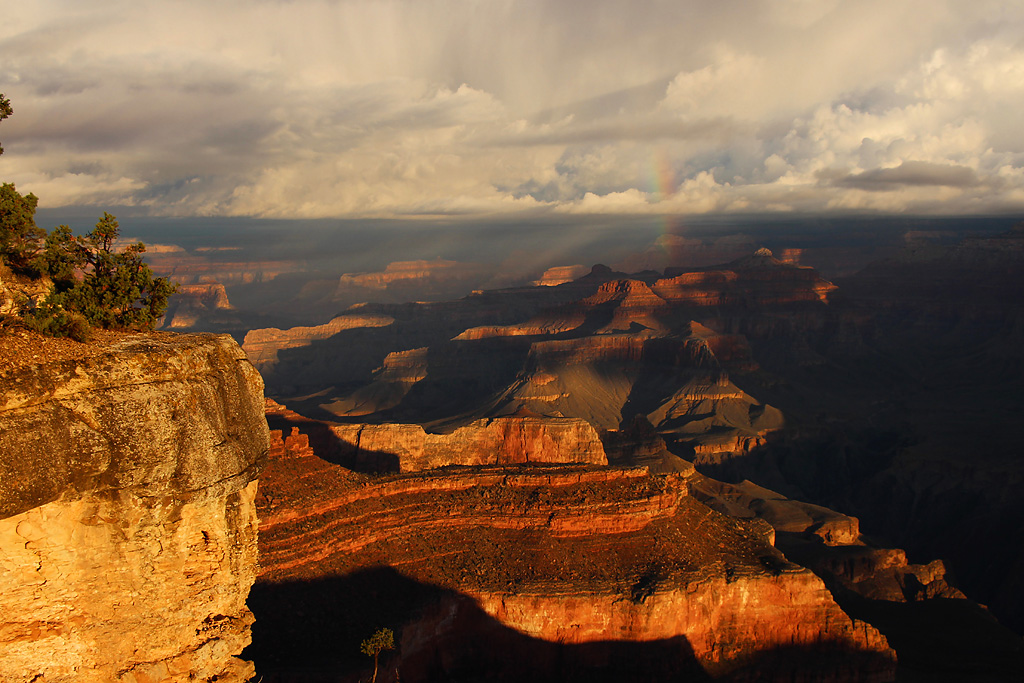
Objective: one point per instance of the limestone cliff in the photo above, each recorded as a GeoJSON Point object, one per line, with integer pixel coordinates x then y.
{"type": "Point", "coordinates": [127, 523]}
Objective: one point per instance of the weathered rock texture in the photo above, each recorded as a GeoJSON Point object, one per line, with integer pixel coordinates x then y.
{"type": "Point", "coordinates": [517, 439]}
{"type": "Point", "coordinates": [511, 440]}
{"type": "Point", "coordinates": [519, 560]}
{"type": "Point", "coordinates": [127, 523]}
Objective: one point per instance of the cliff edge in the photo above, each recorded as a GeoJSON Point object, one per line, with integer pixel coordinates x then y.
{"type": "Point", "coordinates": [127, 523]}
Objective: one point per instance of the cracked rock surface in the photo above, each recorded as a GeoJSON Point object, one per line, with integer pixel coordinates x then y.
{"type": "Point", "coordinates": [127, 523]}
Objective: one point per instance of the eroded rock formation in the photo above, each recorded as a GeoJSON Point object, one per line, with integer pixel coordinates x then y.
{"type": "Point", "coordinates": [127, 522]}
{"type": "Point", "coordinates": [510, 440]}
{"type": "Point", "coordinates": [515, 439]}
{"type": "Point", "coordinates": [263, 346]}
{"type": "Point", "coordinates": [538, 572]}
{"type": "Point", "coordinates": [192, 304]}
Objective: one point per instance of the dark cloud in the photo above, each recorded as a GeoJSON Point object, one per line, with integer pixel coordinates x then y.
{"type": "Point", "coordinates": [910, 173]}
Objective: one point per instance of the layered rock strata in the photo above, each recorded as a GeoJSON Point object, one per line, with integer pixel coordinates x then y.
{"type": "Point", "coordinates": [517, 439]}
{"type": "Point", "coordinates": [263, 346]}
{"type": "Point", "coordinates": [127, 523]}
{"type": "Point", "coordinates": [480, 569]}
{"type": "Point", "coordinates": [511, 440]}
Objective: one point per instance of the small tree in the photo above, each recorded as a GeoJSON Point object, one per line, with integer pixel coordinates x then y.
{"type": "Point", "coordinates": [116, 290]}
{"type": "Point", "coordinates": [383, 639]}
{"type": "Point", "coordinates": [5, 111]}
{"type": "Point", "coordinates": [19, 235]}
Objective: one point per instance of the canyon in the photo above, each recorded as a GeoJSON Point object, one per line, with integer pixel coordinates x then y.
{"type": "Point", "coordinates": [550, 571]}
{"type": "Point", "coordinates": [763, 386]}
{"type": "Point", "coordinates": [733, 471]}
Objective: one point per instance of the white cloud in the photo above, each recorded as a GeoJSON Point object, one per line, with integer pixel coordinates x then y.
{"type": "Point", "coordinates": [395, 107]}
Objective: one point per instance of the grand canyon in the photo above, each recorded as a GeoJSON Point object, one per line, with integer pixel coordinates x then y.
{"type": "Point", "coordinates": [730, 471]}
{"type": "Point", "coordinates": [543, 341]}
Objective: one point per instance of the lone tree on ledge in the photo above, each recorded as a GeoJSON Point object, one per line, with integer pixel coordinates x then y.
{"type": "Point", "coordinates": [116, 289]}
{"type": "Point", "coordinates": [383, 639]}
{"type": "Point", "coordinates": [19, 236]}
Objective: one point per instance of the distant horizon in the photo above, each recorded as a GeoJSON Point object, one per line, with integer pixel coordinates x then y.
{"type": "Point", "coordinates": [331, 247]}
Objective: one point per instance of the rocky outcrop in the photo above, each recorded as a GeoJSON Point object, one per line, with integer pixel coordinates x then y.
{"type": "Point", "coordinates": [395, 378]}
{"type": "Point", "coordinates": [759, 279]}
{"type": "Point", "coordinates": [500, 564]}
{"type": "Point", "coordinates": [559, 275]}
{"type": "Point", "coordinates": [18, 292]}
{"type": "Point", "coordinates": [511, 440]}
{"type": "Point", "coordinates": [193, 304]}
{"type": "Point", "coordinates": [127, 523]}
{"type": "Point", "coordinates": [830, 544]}
{"type": "Point", "coordinates": [262, 346]}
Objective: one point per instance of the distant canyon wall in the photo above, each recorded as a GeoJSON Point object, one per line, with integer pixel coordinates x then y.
{"type": "Point", "coordinates": [127, 517]}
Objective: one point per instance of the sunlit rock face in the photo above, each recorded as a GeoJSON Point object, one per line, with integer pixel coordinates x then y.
{"type": "Point", "coordinates": [264, 345]}
{"type": "Point", "coordinates": [762, 282]}
{"type": "Point", "coordinates": [559, 275]}
{"type": "Point", "coordinates": [16, 291]}
{"type": "Point", "coordinates": [191, 305]}
{"type": "Point", "coordinates": [127, 516]}
{"type": "Point", "coordinates": [538, 572]}
{"type": "Point", "coordinates": [517, 439]}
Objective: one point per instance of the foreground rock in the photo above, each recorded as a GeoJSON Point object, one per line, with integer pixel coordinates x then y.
{"type": "Point", "coordinates": [127, 524]}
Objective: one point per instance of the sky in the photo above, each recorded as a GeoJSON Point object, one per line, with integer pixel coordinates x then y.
{"type": "Point", "coordinates": [454, 108]}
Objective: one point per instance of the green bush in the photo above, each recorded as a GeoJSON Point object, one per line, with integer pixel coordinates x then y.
{"type": "Point", "coordinates": [51, 319]}
{"type": "Point", "coordinates": [19, 235]}
{"type": "Point", "coordinates": [116, 289]}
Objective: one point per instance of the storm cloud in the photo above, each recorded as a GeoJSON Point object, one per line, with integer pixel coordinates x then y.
{"type": "Point", "coordinates": [385, 108]}
{"type": "Point", "coordinates": [911, 173]}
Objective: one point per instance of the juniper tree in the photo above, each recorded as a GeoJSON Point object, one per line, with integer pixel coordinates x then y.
{"type": "Point", "coordinates": [19, 235]}
{"type": "Point", "coordinates": [5, 111]}
{"type": "Point", "coordinates": [383, 639]}
{"type": "Point", "coordinates": [116, 290]}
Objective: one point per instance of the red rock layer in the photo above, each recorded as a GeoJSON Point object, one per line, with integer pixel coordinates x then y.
{"type": "Point", "coordinates": [572, 556]}
{"type": "Point", "coordinates": [509, 440]}
{"type": "Point", "coordinates": [758, 279]}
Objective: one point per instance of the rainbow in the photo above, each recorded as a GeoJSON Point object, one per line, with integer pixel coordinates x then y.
{"type": "Point", "coordinates": [663, 186]}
